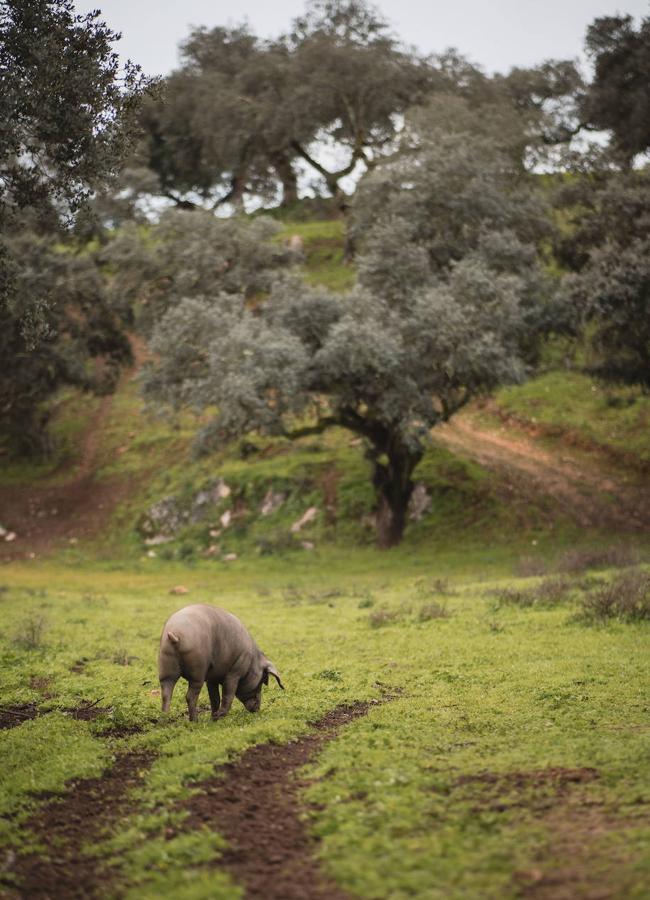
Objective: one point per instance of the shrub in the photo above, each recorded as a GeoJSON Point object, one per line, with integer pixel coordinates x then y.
{"type": "Point", "coordinates": [31, 633]}
{"type": "Point", "coordinates": [548, 592]}
{"type": "Point", "coordinates": [432, 610]}
{"type": "Point", "coordinates": [616, 556]}
{"type": "Point", "coordinates": [626, 598]}
{"type": "Point", "coordinates": [381, 617]}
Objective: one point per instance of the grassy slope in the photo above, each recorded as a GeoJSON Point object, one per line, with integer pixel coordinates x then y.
{"type": "Point", "coordinates": [488, 687]}
{"type": "Point", "coordinates": [573, 405]}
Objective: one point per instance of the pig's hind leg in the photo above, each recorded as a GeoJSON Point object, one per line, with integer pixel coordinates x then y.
{"type": "Point", "coordinates": [192, 698]}
{"type": "Point", "coordinates": [167, 686]}
{"type": "Point", "coordinates": [213, 691]}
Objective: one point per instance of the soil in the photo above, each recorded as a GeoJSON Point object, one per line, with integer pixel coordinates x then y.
{"type": "Point", "coordinates": [10, 716]}
{"type": "Point", "coordinates": [254, 803]}
{"type": "Point", "coordinates": [582, 485]}
{"type": "Point", "coordinates": [66, 824]}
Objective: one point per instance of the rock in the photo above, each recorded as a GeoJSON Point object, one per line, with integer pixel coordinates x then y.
{"type": "Point", "coordinates": [164, 517]}
{"type": "Point", "coordinates": [271, 502]}
{"type": "Point", "coordinates": [73, 540]}
{"type": "Point", "coordinates": [420, 502]}
{"type": "Point", "coordinates": [226, 519]}
{"type": "Point", "coordinates": [152, 554]}
{"type": "Point", "coordinates": [213, 550]}
{"type": "Point", "coordinates": [179, 589]}
{"type": "Point", "coordinates": [229, 557]}
{"type": "Point", "coordinates": [296, 244]}
{"type": "Point", "coordinates": [215, 532]}
{"type": "Point", "coordinates": [10, 536]}
{"type": "Point", "coordinates": [308, 516]}
{"type": "Point", "coordinates": [157, 539]}
{"type": "Point", "coordinates": [307, 545]}
{"type": "Point", "coordinates": [221, 490]}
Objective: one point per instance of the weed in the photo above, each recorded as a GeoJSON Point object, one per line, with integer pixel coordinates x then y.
{"type": "Point", "coordinates": [122, 657]}
{"type": "Point", "coordinates": [616, 556]}
{"type": "Point", "coordinates": [626, 598]}
{"type": "Point", "coordinates": [425, 587]}
{"type": "Point", "coordinates": [530, 567]}
{"type": "Point", "coordinates": [94, 600]}
{"type": "Point", "coordinates": [330, 675]}
{"type": "Point", "coordinates": [548, 592]}
{"type": "Point", "coordinates": [276, 542]}
{"type": "Point", "coordinates": [433, 610]}
{"type": "Point", "coordinates": [380, 617]}
{"type": "Point", "coordinates": [30, 634]}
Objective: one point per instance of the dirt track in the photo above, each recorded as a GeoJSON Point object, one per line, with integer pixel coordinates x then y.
{"type": "Point", "coordinates": [582, 484]}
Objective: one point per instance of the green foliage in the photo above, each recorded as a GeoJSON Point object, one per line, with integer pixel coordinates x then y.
{"type": "Point", "coordinates": [66, 106]}
{"type": "Point", "coordinates": [192, 255]}
{"type": "Point", "coordinates": [67, 111]}
{"type": "Point", "coordinates": [277, 106]}
{"type": "Point", "coordinates": [59, 328]}
{"type": "Point", "coordinates": [617, 98]}
{"type": "Point", "coordinates": [430, 326]}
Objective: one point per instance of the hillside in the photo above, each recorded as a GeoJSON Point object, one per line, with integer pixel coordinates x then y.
{"type": "Point", "coordinates": [557, 461]}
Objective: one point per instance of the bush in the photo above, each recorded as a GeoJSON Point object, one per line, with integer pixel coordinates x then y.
{"type": "Point", "coordinates": [616, 556]}
{"type": "Point", "coordinates": [626, 598]}
{"type": "Point", "coordinates": [432, 610]}
{"type": "Point", "coordinates": [548, 592]}
{"type": "Point", "coordinates": [31, 633]}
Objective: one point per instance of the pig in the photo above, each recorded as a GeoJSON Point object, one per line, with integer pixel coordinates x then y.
{"type": "Point", "coordinates": [203, 643]}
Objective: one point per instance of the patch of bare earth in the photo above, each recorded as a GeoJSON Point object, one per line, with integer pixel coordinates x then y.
{"type": "Point", "coordinates": [254, 803]}
{"type": "Point", "coordinates": [582, 485]}
{"type": "Point", "coordinates": [66, 824]}
{"type": "Point", "coordinates": [579, 861]}
{"type": "Point", "coordinates": [45, 517]}
{"type": "Point", "coordinates": [10, 716]}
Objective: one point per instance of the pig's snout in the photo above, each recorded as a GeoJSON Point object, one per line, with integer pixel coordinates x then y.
{"type": "Point", "coordinates": [253, 704]}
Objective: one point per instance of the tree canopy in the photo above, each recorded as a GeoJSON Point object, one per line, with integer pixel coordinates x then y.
{"type": "Point", "coordinates": [67, 111]}
{"type": "Point", "coordinates": [618, 100]}
{"type": "Point", "coordinates": [394, 357]}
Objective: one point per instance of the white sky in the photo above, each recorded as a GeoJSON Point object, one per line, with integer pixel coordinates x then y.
{"type": "Point", "coordinates": [496, 34]}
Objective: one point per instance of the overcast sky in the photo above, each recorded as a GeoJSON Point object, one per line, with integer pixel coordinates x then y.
{"type": "Point", "coordinates": [497, 34]}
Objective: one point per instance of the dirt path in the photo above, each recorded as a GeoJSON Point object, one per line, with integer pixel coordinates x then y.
{"type": "Point", "coordinates": [581, 484]}
{"type": "Point", "coordinates": [254, 803]}
{"type": "Point", "coordinates": [45, 517]}
{"type": "Point", "coordinates": [66, 824]}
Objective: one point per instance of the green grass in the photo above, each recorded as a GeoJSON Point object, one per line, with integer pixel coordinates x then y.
{"type": "Point", "coordinates": [573, 404]}
{"type": "Point", "coordinates": [488, 687]}
{"type": "Point", "coordinates": [324, 253]}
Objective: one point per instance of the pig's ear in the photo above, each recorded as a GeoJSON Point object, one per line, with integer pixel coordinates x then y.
{"type": "Point", "coordinates": [271, 670]}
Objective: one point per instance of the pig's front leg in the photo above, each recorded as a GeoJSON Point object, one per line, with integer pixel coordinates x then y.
{"type": "Point", "coordinates": [229, 687]}
{"type": "Point", "coordinates": [213, 691]}
{"type": "Point", "coordinates": [192, 698]}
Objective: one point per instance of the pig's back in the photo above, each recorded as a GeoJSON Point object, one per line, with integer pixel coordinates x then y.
{"type": "Point", "coordinates": [209, 638]}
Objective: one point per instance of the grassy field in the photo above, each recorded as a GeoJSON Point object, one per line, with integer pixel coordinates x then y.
{"type": "Point", "coordinates": [467, 784]}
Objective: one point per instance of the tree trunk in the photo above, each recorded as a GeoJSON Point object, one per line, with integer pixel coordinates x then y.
{"type": "Point", "coordinates": [288, 180]}
{"type": "Point", "coordinates": [393, 486]}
